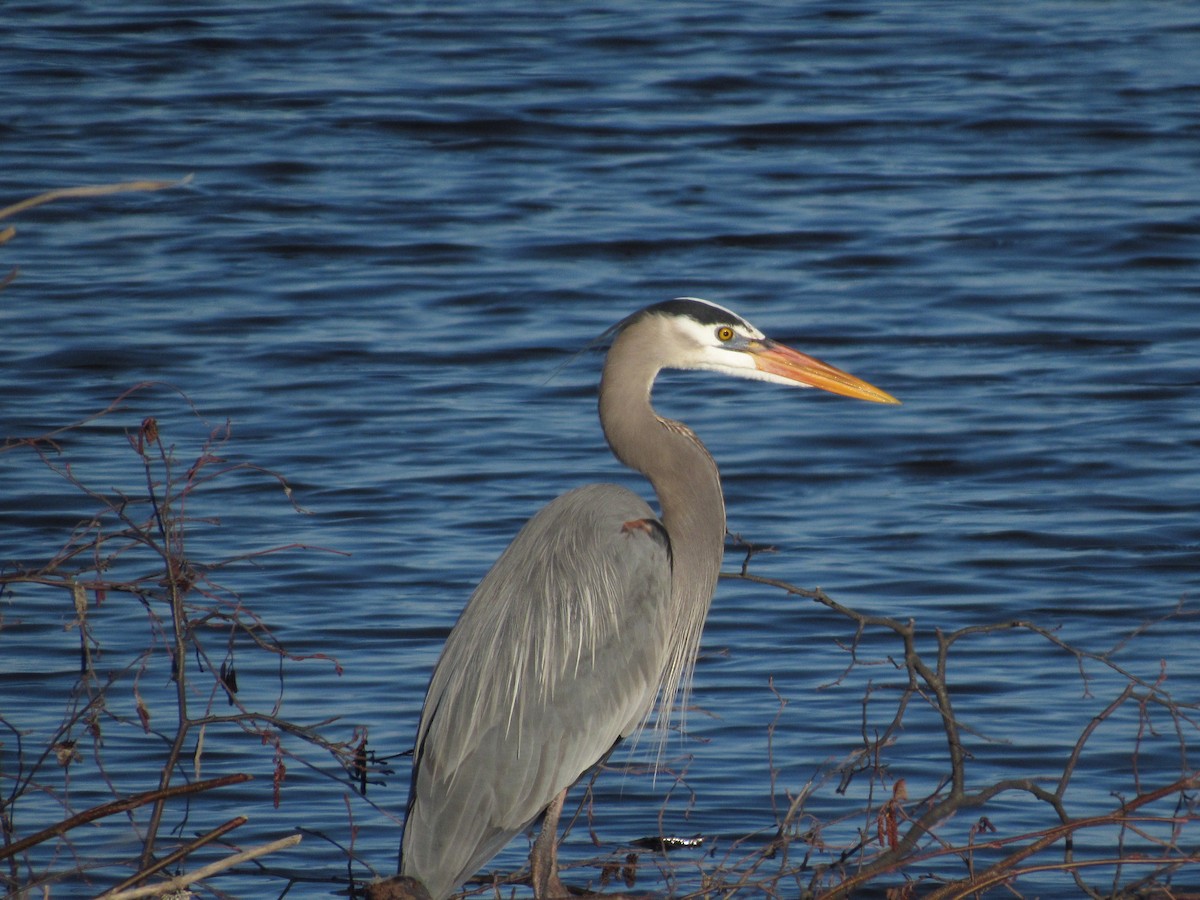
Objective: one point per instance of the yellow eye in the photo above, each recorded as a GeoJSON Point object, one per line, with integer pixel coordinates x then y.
{"type": "Point", "coordinates": [724, 334]}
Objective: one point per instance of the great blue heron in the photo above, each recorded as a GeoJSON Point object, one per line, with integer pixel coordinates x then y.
{"type": "Point", "coordinates": [595, 609]}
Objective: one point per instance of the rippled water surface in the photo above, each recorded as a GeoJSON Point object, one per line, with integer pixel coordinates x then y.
{"type": "Point", "coordinates": [405, 218]}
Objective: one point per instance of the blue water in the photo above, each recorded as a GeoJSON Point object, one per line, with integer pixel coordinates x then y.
{"type": "Point", "coordinates": [405, 218]}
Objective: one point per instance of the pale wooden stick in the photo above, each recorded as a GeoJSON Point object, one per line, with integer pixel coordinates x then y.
{"type": "Point", "coordinates": [92, 190]}
{"type": "Point", "coordinates": [182, 881]}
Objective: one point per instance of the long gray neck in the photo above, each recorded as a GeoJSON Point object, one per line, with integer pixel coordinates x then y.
{"type": "Point", "coordinates": [688, 485]}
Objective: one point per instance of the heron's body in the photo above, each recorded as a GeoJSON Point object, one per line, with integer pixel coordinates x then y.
{"type": "Point", "coordinates": [593, 611]}
{"type": "Point", "coordinates": [582, 683]}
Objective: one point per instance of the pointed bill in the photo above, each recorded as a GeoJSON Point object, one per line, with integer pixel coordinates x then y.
{"type": "Point", "coordinates": [784, 362]}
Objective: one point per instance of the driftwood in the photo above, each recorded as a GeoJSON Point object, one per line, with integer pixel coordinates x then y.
{"type": "Point", "coordinates": [182, 881]}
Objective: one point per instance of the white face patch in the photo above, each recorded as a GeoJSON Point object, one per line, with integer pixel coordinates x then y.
{"type": "Point", "coordinates": [699, 344]}
{"type": "Point", "coordinates": [729, 317]}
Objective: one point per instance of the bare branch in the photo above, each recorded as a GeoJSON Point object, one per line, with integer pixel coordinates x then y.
{"type": "Point", "coordinates": [182, 881]}
{"type": "Point", "coordinates": [95, 190]}
{"type": "Point", "coordinates": [119, 806]}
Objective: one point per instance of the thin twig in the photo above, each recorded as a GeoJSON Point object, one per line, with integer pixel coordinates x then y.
{"type": "Point", "coordinates": [184, 851]}
{"type": "Point", "coordinates": [117, 806]}
{"type": "Point", "coordinates": [182, 881]}
{"type": "Point", "coordinates": [95, 190]}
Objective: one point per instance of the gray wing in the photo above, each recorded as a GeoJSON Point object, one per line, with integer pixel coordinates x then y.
{"type": "Point", "coordinates": [557, 655]}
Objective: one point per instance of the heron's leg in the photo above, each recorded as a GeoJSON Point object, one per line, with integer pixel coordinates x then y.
{"type": "Point", "coordinates": [543, 860]}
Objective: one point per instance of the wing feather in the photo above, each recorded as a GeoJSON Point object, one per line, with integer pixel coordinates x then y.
{"type": "Point", "coordinates": [556, 656]}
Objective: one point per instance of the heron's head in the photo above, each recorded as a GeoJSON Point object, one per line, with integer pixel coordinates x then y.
{"type": "Point", "coordinates": [697, 334]}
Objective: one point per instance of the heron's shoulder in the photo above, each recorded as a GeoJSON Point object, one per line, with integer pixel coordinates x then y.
{"type": "Point", "coordinates": [600, 516]}
{"type": "Point", "coordinates": [602, 500]}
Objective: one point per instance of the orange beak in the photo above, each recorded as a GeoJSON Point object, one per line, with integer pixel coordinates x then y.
{"type": "Point", "coordinates": [784, 362]}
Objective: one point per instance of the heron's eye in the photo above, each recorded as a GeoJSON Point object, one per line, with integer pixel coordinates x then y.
{"type": "Point", "coordinates": [724, 334]}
